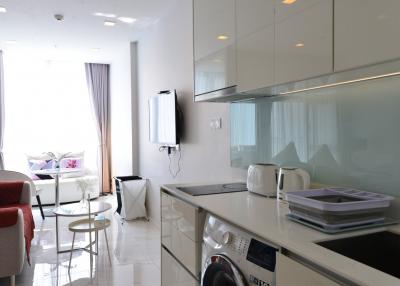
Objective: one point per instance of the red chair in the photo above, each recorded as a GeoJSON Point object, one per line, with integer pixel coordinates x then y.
{"type": "Point", "coordinates": [16, 226]}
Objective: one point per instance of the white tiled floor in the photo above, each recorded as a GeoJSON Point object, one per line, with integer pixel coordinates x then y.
{"type": "Point", "coordinates": [134, 247]}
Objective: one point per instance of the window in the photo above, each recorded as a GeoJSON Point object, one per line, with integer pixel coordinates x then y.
{"type": "Point", "coordinates": [47, 108]}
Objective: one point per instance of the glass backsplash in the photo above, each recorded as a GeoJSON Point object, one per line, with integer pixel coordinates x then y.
{"type": "Point", "coordinates": [346, 135]}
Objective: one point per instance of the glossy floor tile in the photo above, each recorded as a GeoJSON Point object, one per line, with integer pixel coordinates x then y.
{"type": "Point", "coordinates": [134, 248]}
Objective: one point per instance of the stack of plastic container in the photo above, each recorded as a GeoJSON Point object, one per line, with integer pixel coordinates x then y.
{"type": "Point", "coordinates": [337, 208]}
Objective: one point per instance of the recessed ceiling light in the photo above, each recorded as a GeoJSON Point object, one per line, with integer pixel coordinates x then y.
{"type": "Point", "coordinates": [109, 23]}
{"type": "Point", "coordinates": [11, 42]}
{"type": "Point", "coordinates": [107, 15]}
{"type": "Point", "coordinates": [299, 45]}
{"type": "Point", "coordinates": [222, 37]}
{"type": "Point", "coordinates": [3, 9]}
{"type": "Point", "coordinates": [127, 20]}
{"type": "Point", "coordinates": [95, 49]}
{"type": "Point", "coordinates": [288, 2]}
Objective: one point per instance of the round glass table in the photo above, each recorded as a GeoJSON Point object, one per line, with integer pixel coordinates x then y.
{"type": "Point", "coordinates": [77, 210]}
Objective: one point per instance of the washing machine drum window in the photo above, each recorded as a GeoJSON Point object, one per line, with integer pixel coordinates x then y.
{"type": "Point", "coordinates": [221, 272]}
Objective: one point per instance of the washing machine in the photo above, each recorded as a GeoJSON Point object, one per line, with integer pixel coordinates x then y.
{"type": "Point", "coordinates": [233, 257]}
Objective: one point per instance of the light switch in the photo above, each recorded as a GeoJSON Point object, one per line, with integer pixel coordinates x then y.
{"type": "Point", "coordinates": [216, 123]}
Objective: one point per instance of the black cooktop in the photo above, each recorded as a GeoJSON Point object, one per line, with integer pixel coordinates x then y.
{"type": "Point", "coordinates": [214, 189]}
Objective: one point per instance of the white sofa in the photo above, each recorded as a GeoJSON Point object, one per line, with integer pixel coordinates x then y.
{"type": "Point", "coordinates": [69, 191]}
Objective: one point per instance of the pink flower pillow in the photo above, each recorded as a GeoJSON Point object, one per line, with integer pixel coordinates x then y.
{"type": "Point", "coordinates": [71, 163]}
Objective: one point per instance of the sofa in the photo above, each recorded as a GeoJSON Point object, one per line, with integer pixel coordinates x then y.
{"type": "Point", "coordinates": [16, 227]}
{"type": "Point", "coordinates": [69, 190]}
{"type": "Point", "coordinates": [68, 183]}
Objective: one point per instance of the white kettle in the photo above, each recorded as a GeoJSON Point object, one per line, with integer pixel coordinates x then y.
{"type": "Point", "coordinates": [291, 179]}
{"type": "Point", "coordinates": [261, 179]}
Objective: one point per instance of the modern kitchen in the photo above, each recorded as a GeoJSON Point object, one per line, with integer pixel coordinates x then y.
{"type": "Point", "coordinates": [312, 89]}
{"type": "Point", "coordinates": [227, 142]}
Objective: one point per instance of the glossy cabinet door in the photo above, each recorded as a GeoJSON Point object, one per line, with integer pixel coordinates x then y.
{"type": "Point", "coordinates": [214, 45]}
{"type": "Point", "coordinates": [366, 32]}
{"type": "Point", "coordinates": [255, 44]}
{"type": "Point", "coordinates": [292, 273]}
{"type": "Point", "coordinates": [181, 231]}
{"type": "Point", "coordinates": [173, 274]}
{"type": "Point", "coordinates": [303, 39]}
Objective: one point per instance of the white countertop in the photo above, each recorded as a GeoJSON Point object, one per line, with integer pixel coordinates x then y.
{"type": "Point", "coordinates": [266, 218]}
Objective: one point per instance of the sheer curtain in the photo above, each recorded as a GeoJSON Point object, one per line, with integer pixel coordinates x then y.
{"type": "Point", "coordinates": [98, 83]}
{"type": "Point", "coordinates": [48, 109]}
{"type": "Point", "coordinates": [301, 129]}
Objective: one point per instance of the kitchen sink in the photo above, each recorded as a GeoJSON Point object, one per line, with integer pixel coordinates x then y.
{"type": "Point", "coordinates": [380, 250]}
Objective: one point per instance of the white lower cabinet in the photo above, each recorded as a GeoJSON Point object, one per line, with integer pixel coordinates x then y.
{"type": "Point", "coordinates": [292, 273]}
{"type": "Point", "coordinates": [173, 274]}
{"type": "Point", "coordinates": [181, 231]}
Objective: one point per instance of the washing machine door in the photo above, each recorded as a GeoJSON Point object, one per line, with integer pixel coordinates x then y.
{"type": "Point", "coordinates": [220, 271]}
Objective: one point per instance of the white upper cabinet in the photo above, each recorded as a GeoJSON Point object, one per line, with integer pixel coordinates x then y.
{"type": "Point", "coordinates": [366, 32]}
{"type": "Point", "coordinates": [255, 43]}
{"type": "Point", "coordinates": [303, 39]}
{"type": "Point", "coordinates": [214, 45]}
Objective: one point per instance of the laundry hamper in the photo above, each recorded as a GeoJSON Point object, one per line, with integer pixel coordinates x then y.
{"type": "Point", "coordinates": [131, 197]}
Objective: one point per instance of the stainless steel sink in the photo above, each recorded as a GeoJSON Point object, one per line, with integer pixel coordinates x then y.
{"type": "Point", "coordinates": [380, 250]}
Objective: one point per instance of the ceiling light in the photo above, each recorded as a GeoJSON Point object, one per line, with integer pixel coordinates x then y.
{"type": "Point", "coordinates": [288, 2]}
{"type": "Point", "coordinates": [95, 49]}
{"type": "Point", "coordinates": [109, 23]}
{"type": "Point", "coordinates": [299, 45]}
{"type": "Point", "coordinates": [107, 15]}
{"type": "Point", "coordinates": [127, 20]}
{"type": "Point", "coordinates": [3, 9]}
{"type": "Point", "coordinates": [222, 37]}
{"type": "Point", "coordinates": [11, 42]}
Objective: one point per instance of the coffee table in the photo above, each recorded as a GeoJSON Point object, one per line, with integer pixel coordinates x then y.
{"type": "Point", "coordinates": [77, 210]}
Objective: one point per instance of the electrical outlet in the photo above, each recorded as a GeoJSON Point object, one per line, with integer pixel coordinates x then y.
{"type": "Point", "coordinates": [218, 123]}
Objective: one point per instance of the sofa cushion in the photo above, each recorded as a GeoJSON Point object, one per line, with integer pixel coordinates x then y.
{"type": "Point", "coordinates": [8, 216]}
{"type": "Point", "coordinates": [76, 163]}
{"type": "Point", "coordinates": [10, 192]}
{"type": "Point", "coordinates": [35, 164]}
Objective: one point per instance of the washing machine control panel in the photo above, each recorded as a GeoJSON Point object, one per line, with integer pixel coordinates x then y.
{"type": "Point", "coordinates": [239, 244]}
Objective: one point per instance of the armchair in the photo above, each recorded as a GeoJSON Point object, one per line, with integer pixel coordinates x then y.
{"type": "Point", "coordinates": [16, 227]}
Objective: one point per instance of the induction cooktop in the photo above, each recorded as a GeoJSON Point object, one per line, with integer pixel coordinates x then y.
{"type": "Point", "coordinates": [214, 189]}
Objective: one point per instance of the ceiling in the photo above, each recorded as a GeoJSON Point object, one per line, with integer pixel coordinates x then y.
{"type": "Point", "coordinates": [33, 26]}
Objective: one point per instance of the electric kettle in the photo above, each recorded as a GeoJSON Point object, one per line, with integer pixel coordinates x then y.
{"type": "Point", "coordinates": [291, 179]}
{"type": "Point", "coordinates": [261, 179]}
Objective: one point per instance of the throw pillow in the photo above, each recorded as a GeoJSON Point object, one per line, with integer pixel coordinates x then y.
{"type": "Point", "coordinates": [10, 192]}
{"type": "Point", "coordinates": [44, 177]}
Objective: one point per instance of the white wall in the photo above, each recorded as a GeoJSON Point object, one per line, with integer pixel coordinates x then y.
{"type": "Point", "coordinates": [165, 62]}
{"type": "Point", "coordinates": [121, 111]}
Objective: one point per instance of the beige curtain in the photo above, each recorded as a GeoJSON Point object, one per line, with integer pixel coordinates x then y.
{"type": "Point", "coordinates": [97, 76]}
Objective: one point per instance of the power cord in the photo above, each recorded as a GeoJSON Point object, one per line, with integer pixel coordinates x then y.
{"type": "Point", "coordinates": [179, 166]}
{"type": "Point", "coordinates": [169, 151]}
